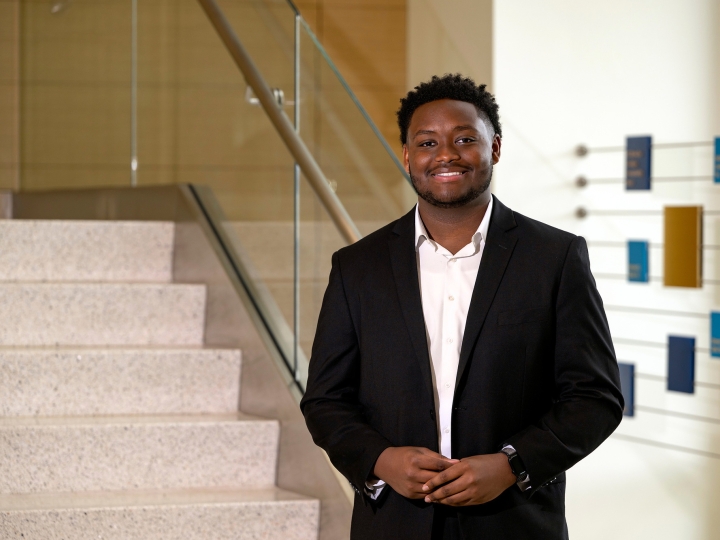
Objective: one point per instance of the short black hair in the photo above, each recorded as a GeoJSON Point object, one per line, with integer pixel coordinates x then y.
{"type": "Point", "coordinates": [448, 86]}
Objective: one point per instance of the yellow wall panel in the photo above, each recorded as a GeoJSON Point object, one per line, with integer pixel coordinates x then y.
{"type": "Point", "coordinates": [9, 93]}
{"type": "Point", "coordinates": [683, 246]}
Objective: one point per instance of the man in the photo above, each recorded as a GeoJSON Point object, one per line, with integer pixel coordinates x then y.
{"type": "Point", "coordinates": [462, 360]}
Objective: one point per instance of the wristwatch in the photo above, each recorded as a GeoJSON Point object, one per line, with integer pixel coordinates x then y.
{"type": "Point", "coordinates": [517, 466]}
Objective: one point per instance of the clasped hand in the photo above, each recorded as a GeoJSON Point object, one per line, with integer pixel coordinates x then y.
{"type": "Point", "coordinates": [420, 473]}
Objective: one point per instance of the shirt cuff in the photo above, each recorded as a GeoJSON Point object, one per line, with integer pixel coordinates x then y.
{"type": "Point", "coordinates": [374, 488]}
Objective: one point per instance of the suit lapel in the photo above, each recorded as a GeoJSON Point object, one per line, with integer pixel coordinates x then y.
{"type": "Point", "coordinates": [496, 255]}
{"type": "Point", "coordinates": [404, 265]}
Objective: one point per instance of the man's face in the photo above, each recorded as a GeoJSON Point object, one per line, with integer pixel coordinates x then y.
{"type": "Point", "coordinates": [450, 153]}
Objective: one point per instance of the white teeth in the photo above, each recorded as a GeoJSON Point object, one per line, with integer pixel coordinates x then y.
{"type": "Point", "coordinates": [448, 174]}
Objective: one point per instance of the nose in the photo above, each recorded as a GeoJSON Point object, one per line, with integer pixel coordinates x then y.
{"type": "Point", "coordinates": [446, 152]}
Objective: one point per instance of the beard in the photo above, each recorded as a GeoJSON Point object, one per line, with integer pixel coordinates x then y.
{"type": "Point", "coordinates": [461, 200]}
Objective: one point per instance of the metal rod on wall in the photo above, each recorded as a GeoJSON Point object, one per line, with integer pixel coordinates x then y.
{"type": "Point", "coordinates": [582, 150]}
{"type": "Point", "coordinates": [583, 181]}
{"type": "Point", "coordinates": [581, 212]}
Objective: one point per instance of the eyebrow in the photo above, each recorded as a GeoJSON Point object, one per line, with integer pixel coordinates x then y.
{"type": "Point", "coordinates": [456, 128]}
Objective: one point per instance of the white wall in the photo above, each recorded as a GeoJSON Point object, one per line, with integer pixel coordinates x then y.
{"type": "Point", "coordinates": [568, 72]}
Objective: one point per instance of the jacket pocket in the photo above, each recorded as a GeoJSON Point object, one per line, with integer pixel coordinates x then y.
{"type": "Point", "coordinates": [520, 316]}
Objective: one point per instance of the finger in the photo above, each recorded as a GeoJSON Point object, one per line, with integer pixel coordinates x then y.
{"type": "Point", "coordinates": [434, 463]}
{"type": "Point", "coordinates": [448, 475]}
{"type": "Point", "coordinates": [422, 477]}
{"type": "Point", "coordinates": [447, 491]}
{"type": "Point", "coordinates": [459, 499]}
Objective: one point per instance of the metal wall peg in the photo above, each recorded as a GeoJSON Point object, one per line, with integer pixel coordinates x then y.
{"type": "Point", "coordinates": [581, 150]}
{"type": "Point", "coordinates": [581, 181]}
{"type": "Point", "coordinates": [581, 212]}
{"type": "Point", "coordinates": [277, 93]}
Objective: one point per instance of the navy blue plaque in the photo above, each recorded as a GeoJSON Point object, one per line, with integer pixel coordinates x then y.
{"type": "Point", "coordinates": [717, 160]}
{"type": "Point", "coordinates": [638, 153]}
{"type": "Point", "coordinates": [627, 385]}
{"type": "Point", "coordinates": [681, 364]}
{"type": "Point", "coordinates": [638, 261]}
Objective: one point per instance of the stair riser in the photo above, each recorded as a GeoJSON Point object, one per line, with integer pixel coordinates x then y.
{"type": "Point", "coordinates": [238, 454]}
{"type": "Point", "coordinates": [86, 251]}
{"type": "Point", "coordinates": [296, 520]}
{"type": "Point", "coordinates": [101, 314]}
{"type": "Point", "coordinates": [53, 383]}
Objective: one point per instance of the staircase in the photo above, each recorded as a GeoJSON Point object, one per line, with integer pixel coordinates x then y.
{"type": "Point", "coordinates": [115, 421]}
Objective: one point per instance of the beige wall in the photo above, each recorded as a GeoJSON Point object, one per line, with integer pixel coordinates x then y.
{"type": "Point", "coordinates": [194, 123]}
{"type": "Point", "coordinates": [9, 93]}
{"type": "Point", "coordinates": [366, 40]}
{"type": "Point", "coordinates": [449, 36]}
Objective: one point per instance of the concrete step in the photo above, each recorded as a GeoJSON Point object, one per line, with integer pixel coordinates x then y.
{"type": "Point", "coordinates": [101, 314]}
{"type": "Point", "coordinates": [220, 514]}
{"type": "Point", "coordinates": [86, 250]}
{"type": "Point", "coordinates": [63, 382]}
{"type": "Point", "coordinates": [115, 453]}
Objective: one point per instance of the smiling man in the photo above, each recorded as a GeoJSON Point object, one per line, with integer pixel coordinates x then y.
{"type": "Point", "coordinates": [462, 361]}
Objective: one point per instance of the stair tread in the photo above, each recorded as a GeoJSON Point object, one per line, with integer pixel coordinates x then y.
{"type": "Point", "coordinates": [114, 499]}
{"type": "Point", "coordinates": [139, 419]}
{"type": "Point", "coordinates": [95, 348]}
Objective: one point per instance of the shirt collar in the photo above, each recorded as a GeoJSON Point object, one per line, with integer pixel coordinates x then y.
{"type": "Point", "coordinates": [480, 235]}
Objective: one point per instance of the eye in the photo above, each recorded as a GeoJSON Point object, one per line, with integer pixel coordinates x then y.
{"type": "Point", "coordinates": [427, 143]}
{"type": "Point", "coordinates": [466, 140]}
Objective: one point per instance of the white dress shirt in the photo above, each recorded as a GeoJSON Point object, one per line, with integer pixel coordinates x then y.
{"type": "Point", "coordinates": [446, 286]}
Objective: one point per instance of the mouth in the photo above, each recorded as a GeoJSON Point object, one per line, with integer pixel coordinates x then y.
{"type": "Point", "coordinates": [447, 176]}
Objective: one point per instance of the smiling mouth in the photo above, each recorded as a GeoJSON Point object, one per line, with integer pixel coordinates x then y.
{"type": "Point", "coordinates": [448, 175]}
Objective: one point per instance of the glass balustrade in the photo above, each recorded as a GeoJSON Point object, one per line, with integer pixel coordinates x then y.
{"type": "Point", "coordinates": [143, 92]}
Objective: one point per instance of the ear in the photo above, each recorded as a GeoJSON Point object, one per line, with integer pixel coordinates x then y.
{"type": "Point", "coordinates": [406, 159]}
{"type": "Point", "coordinates": [496, 146]}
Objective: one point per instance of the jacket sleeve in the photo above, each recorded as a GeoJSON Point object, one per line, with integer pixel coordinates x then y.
{"type": "Point", "coordinates": [588, 403]}
{"type": "Point", "coordinates": [330, 405]}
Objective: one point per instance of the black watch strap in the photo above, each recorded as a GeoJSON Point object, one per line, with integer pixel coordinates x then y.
{"type": "Point", "coordinates": [516, 464]}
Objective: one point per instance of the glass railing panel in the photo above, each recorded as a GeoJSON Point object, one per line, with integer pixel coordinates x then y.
{"type": "Point", "coordinates": [198, 124]}
{"type": "Point", "coordinates": [368, 177]}
{"type": "Point", "coordinates": [194, 120]}
{"type": "Point", "coordinates": [75, 117]}
{"type": "Point", "coordinates": [360, 166]}
{"type": "Point", "coordinates": [197, 120]}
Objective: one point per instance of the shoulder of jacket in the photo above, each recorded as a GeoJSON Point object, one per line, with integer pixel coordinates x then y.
{"type": "Point", "coordinates": [542, 231]}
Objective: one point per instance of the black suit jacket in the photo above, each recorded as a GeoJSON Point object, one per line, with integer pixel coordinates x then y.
{"type": "Point", "coordinates": [537, 371]}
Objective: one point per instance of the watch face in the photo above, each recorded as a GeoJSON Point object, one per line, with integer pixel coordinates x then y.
{"type": "Point", "coordinates": [516, 466]}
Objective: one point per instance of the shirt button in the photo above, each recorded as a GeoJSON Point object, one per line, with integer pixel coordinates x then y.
{"type": "Point", "coordinates": [449, 340]}
{"type": "Point", "coordinates": [447, 386]}
{"type": "Point", "coordinates": [447, 430]}
{"type": "Point", "coordinates": [451, 298]}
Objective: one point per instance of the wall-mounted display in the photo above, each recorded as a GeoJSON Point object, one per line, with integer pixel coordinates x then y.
{"type": "Point", "coordinates": [715, 334]}
{"type": "Point", "coordinates": [683, 246]}
{"type": "Point", "coordinates": [717, 160]}
{"type": "Point", "coordinates": [638, 153]}
{"type": "Point", "coordinates": [681, 364]}
{"type": "Point", "coordinates": [638, 261]}
{"type": "Point", "coordinates": [627, 385]}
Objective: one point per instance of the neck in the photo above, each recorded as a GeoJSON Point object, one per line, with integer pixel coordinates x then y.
{"type": "Point", "coordinates": [453, 228]}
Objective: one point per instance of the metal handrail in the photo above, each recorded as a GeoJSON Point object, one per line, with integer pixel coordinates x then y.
{"type": "Point", "coordinates": [282, 123]}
